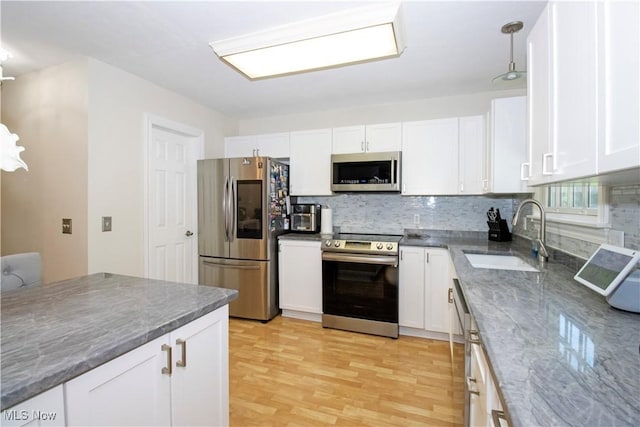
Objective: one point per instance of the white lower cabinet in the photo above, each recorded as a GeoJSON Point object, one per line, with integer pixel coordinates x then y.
{"type": "Point", "coordinates": [300, 278]}
{"type": "Point", "coordinates": [45, 409]}
{"type": "Point", "coordinates": [477, 384]}
{"type": "Point", "coordinates": [485, 407]}
{"type": "Point", "coordinates": [180, 378]}
{"type": "Point", "coordinates": [425, 280]}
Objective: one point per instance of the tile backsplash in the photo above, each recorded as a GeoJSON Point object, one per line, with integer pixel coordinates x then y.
{"type": "Point", "coordinates": [388, 213]}
{"type": "Point", "coordinates": [625, 213]}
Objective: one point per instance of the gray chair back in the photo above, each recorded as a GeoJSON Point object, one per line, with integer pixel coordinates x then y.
{"type": "Point", "coordinates": [20, 270]}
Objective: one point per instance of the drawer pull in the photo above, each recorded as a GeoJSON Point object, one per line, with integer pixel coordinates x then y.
{"type": "Point", "coordinates": [167, 369]}
{"type": "Point", "coordinates": [183, 361]}
{"type": "Point", "coordinates": [472, 390]}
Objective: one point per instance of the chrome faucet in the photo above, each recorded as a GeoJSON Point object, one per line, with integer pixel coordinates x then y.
{"type": "Point", "coordinates": [543, 254]}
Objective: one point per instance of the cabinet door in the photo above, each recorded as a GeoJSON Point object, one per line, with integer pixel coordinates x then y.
{"type": "Point", "coordinates": [619, 99]}
{"type": "Point", "coordinates": [539, 99]}
{"type": "Point", "coordinates": [129, 390]}
{"type": "Point", "coordinates": [350, 139]}
{"type": "Point", "coordinates": [200, 384]}
{"type": "Point", "coordinates": [300, 270]}
{"type": "Point", "coordinates": [477, 388]}
{"type": "Point", "coordinates": [274, 145]}
{"type": "Point", "coordinates": [310, 163]}
{"type": "Point", "coordinates": [574, 65]}
{"type": "Point", "coordinates": [239, 146]}
{"type": "Point", "coordinates": [471, 146]}
{"type": "Point", "coordinates": [430, 157]}
{"type": "Point", "coordinates": [45, 409]}
{"type": "Point", "coordinates": [383, 137]}
{"type": "Point", "coordinates": [411, 290]}
{"type": "Point", "coordinates": [508, 145]}
{"type": "Point", "coordinates": [437, 284]}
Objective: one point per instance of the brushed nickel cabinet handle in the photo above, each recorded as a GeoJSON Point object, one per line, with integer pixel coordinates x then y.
{"type": "Point", "coordinates": [167, 369]}
{"type": "Point", "coordinates": [497, 416]}
{"type": "Point", "coordinates": [472, 340]}
{"type": "Point", "coordinates": [450, 295]}
{"type": "Point", "coordinates": [183, 361]}
{"type": "Point", "coordinates": [472, 391]}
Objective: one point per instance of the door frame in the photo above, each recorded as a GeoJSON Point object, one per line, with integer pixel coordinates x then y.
{"type": "Point", "coordinates": [197, 140]}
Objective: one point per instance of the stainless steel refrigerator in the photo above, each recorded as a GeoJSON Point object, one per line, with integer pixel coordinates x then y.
{"type": "Point", "coordinates": [242, 207]}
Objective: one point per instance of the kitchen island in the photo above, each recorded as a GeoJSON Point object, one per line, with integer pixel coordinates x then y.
{"type": "Point", "coordinates": [56, 333]}
{"type": "Point", "coordinates": [559, 353]}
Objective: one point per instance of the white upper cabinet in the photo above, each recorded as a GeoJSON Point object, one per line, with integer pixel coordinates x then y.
{"type": "Point", "coordinates": [619, 96]}
{"type": "Point", "coordinates": [471, 145]}
{"type": "Point", "coordinates": [506, 151]}
{"type": "Point", "coordinates": [443, 156]}
{"type": "Point", "coordinates": [366, 139]}
{"type": "Point", "coordinates": [574, 82]}
{"type": "Point", "coordinates": [583, 61]}
{"type": "Point", "coordinates": [430, 157]}
{"type": "Point", "coordinates": [270, 145]}
{"type": "Point", "coordinates": [310, 163]}
{"type": "Point", "coordinates": [539, 98]}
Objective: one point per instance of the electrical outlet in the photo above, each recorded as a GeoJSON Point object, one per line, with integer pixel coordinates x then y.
{"type": "Point", "coordinates": [66, 226]}
{"type": "Point", "coordinates": [106, 223]}
{"type": "Point", "coordinates": [416, 219]}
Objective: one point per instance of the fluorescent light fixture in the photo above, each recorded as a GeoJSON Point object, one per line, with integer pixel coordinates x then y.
{"type": "Point", "coordinates": [348, 37]}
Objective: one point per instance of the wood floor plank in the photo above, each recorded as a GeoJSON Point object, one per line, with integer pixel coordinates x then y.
{"type": "Point", "coordinates": [291, 372]}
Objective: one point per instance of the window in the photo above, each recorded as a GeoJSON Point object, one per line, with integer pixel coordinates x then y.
{"type": "Point", "coordinates": [575, 198]}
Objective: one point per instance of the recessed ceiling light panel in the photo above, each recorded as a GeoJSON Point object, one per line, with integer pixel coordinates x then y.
{"type": "Point", "coordinates": [348, 37]}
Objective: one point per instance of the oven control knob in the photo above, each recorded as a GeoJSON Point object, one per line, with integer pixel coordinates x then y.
{"type": "Point", "coordinates": [337, 244]}
{"type": "Point", "coordinates": [389, 246]}
{"type": "Point", "coordinates": [327, 243]}
{"type": "Point", "coordinates": [378, 245]}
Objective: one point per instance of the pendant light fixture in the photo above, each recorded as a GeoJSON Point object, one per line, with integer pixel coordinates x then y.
{"type": "Point", "coordinates": [512, 74]}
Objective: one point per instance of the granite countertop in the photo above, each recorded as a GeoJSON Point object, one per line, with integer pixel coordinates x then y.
{"type": "Point", "coordinates": [559, 353]}
{"type": "Point", "coordinates": [53, 333]}
{"type": "Point", "coordinates": [302, 236]}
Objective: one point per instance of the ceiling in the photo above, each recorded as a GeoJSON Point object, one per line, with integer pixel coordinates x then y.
{"type": "Point", "coordinates": [453, 47]}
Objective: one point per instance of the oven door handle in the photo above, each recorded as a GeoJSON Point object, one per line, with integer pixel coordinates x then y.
{"type": "Point", "coordinates": [360, 258]}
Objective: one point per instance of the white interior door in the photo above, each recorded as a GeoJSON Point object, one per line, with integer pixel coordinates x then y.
{"type": "Point", "coordinates": [172, 249]}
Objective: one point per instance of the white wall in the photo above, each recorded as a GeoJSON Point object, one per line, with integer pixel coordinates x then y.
{"type": "Point", "coordinates": [422, 109]}
{"type": "Point", "coordinates": [48, 111]}
{"type": "Point", "coordinates": [118, 102]}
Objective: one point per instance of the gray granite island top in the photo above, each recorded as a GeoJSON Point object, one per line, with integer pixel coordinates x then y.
{"type": "Point", "coordinates": [53, 333]}
{"type": "Point", "coordinates": [559, 353]}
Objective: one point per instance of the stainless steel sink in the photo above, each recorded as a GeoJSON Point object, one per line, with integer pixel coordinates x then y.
{"type": "Point", "coordinates": [499, 262]}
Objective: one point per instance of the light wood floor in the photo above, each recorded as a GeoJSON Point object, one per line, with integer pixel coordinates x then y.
{"type": "Point", "coordinates": [294, 372]}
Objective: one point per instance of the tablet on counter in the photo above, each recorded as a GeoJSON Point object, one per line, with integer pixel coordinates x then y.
{"type": "Point", "coordinates": [607, 268]}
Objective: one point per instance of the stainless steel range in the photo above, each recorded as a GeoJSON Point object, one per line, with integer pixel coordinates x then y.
{"type": "Point", "coordinates": [360, 283]}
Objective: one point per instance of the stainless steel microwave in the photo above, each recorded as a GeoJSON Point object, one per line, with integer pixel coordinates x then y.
{"type": "Point", "coordinates": [365, 171]}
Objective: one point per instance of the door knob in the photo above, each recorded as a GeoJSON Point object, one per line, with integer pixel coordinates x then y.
{"type": "Point", "coordinates": [188, 233]}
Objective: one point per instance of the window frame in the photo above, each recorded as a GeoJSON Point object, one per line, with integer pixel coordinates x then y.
{"type": "Point", "coordinates": [595, 217]}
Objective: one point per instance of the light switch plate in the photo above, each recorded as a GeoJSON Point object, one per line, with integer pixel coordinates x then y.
{"type": "Point", "coordinates": [66, 226]}
{"type": "Point", "coordinates": [106, 223]}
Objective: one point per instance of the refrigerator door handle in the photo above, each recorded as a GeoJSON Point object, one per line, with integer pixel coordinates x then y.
{"type": "Point", "coordinates": [232, 211]}
{"type": "Point", "coordinates": [232, 266]}
{"type": "Point", "coordinates": [225, 210]}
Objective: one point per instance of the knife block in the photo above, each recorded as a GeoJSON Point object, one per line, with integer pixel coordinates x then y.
{"type": "Point", "coordinates": [499, 231]}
